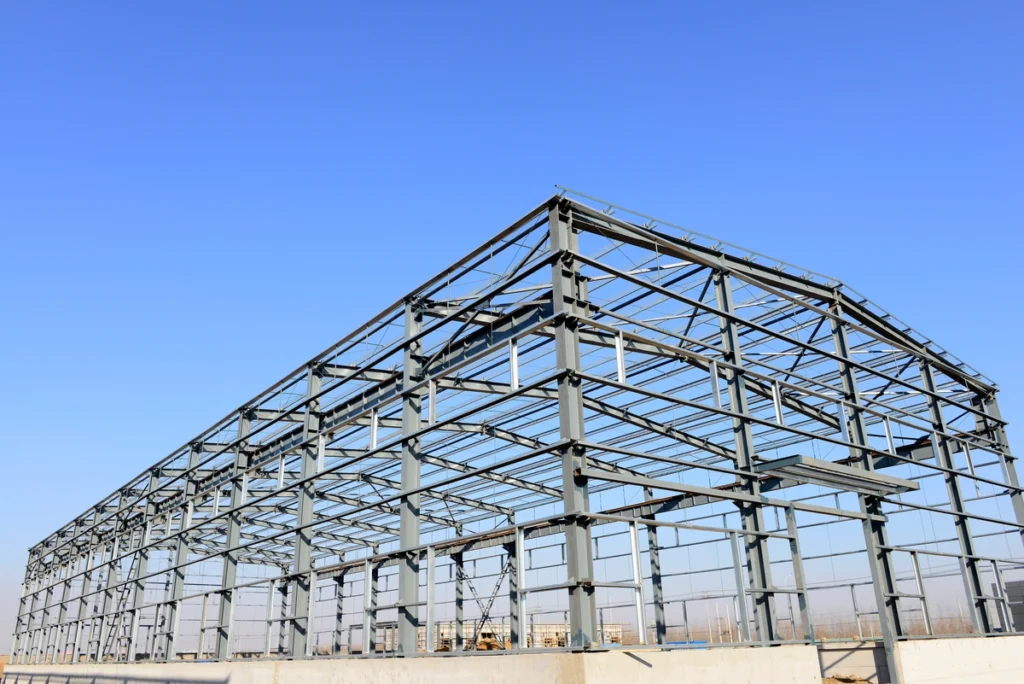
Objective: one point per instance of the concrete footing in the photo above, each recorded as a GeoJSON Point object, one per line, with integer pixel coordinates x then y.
{"type": "Point", "coordinates": [927, 661]}
{"type": "Point", "coordinates": [779, 665]}
{"type": "Point", "coordinates": [993, 660]}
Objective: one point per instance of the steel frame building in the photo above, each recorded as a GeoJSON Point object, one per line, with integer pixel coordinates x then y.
{"type": "Point", "coordinates": [561, 416]}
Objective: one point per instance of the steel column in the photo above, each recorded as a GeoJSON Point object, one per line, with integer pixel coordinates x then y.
{"type": "Point", "coordinates": [302, 627]}
{"type": "Point", "coordinates": [181, 552]}
{"type": "Point", "coordinates": [459, 600]}
{"type": "Point", "coordinates": [974, 585]}
{"type": "Point", "coordinates": [654, 554]}
{"type": "Point", "coordinates": [751, 514]}
{"type": "Point", "coordinates": [142, 566]}
{"type": "Point", "coordinates": [239, 487]}
{"type": "Point", "coordinates": [339, 600]}
{"type": "Point", "coordinates": [575, 497]}
{"type": "Point", "coordinates": [876, 539]}
{"type": "Point", "coordinates": [20, 626]}
{"type": "Point", "coordinates": [369, 608]}
{"type": "Point", "coordinates": [514, 619]}
{"type": "Point", "coordinates": [990, 406]}
{"type": "Point", "coordinates": [409, 537]}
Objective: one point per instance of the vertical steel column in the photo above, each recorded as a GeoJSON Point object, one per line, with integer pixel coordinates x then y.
{"type": "Point", "coordinates": [282, 632]}
{"type": "Point", "coordinates": [409, 525]}
{"type": "Point", "coordinates": [876, 539]}
{"type": "Point", "coordinates": [83, 600]}
{"type": "Point", "coordinates": [239, 487]}
{"type": "Point", "coordinates": [51, 584]}
{"type": "Point", "coordinates": [514, 618]}
{"type": "Point", "coordinates": [370, 608]}
{"type": "Point", "coordinates": [181, 551]}
{"type": "Point", "coordinates": [654, 553]}
{"type": "Point", "coordinates": [990, 406]}
{"type": "Point", "coordinates": [83, 563]}
{"type": "Point", "coordinates": [741, 591]}
{"type": "Point", "coordinates": [460, 572]}
{"type": "Point", "coordinates": [944, 453]}
{"type": "Point", "coordinates": [798, 576]}
{"type": "Point", "coordinates": [142, 566]}
{"type": "Point", "coordinates": [751, 515]}
{"type": "Point", "coordinates": [20, 625]}
{"type": "Point", "coordinates": [638, 582]}
{"type": "Point", "coordinates": [271, 588]}
{"type": "Point", "coordinates": [302, 627]}
{"type": "Point", "coordinates": [112, 578]}
{"type": "Point", "coordinates": [430, 631]}
{"type": "Point", "coordinates": [28, 639]}
{"type": "Point", "coordinates": [339, 599]}
{"type": "Point", "coordinates": [56, 637]}
{"type": "Point", "coordinates": [575, 490]}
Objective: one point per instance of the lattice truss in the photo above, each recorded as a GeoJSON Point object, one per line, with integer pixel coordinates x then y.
{"type": "Point", "coordinates": [536, 435]}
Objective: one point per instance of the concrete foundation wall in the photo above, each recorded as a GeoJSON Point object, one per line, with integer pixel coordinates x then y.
{"type": "Point", "coordinates": [995, 660]}
{"type": "Point", "coordinates": [779, 665]}
{"type": "Point", "coordinates": [865, 660]}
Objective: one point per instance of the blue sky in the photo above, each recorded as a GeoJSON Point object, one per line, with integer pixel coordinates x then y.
{"type": "Point", "coordinates": [196, 197]}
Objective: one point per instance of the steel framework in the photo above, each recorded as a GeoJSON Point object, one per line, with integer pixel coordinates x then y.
{"type": "Point", "coordinates": [578, 419]}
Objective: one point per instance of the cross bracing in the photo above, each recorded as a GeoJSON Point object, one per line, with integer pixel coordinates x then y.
{"type": "Point", "coordinates": [586, 373]}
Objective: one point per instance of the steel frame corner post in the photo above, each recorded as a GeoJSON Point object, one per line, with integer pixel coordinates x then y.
{"type": "Point", "coordinates": [751, 514]}
{"type": "Point", "coordinates": [302, 626]}
{"type": "Point", "coordinates": [876, 540]}
{"type": "Point", "coordinates": [575, 495]}
{"type": "Point", "coordinates": [409, 517]}
{"type": "Point", "coordinates": [973, 583]}
{"type": "Point", "coordinates": [229, 577]}
{"type": "Point", "coordinates": [654, 554]}
{"type": "Point", "coordinates": [181, 552]}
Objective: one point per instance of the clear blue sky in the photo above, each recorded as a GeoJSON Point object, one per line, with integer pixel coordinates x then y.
{"type": "Point", "coordinates": [196, 197]}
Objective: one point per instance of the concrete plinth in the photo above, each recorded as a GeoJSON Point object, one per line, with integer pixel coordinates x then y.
{"type": "Point", "coordinates": [778, 665]}
{"type": "Point", "coordinates": [993, 660]}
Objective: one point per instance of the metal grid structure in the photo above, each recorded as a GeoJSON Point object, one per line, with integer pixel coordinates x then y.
{"type": "Point", "coordinates": [577, 421]}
